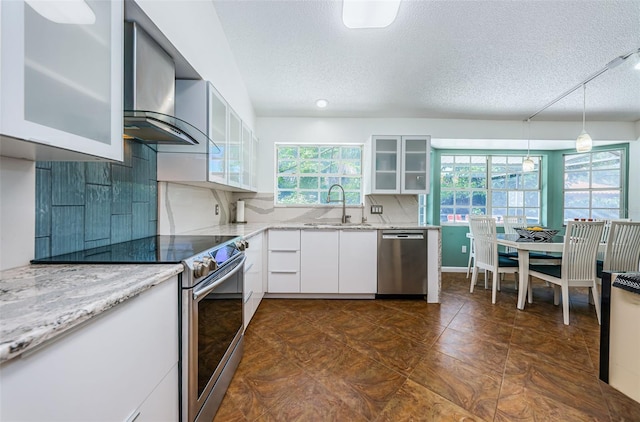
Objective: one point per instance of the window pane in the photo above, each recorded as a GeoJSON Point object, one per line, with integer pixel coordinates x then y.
{"type": "Point", "coordinates": [309, 167]}
{"type": "Point", "coordinates": [286, 197]}
{"type": "Point", "coordinates": [329, 153]}
{"type": "Point", "coordinates": [351, 153]}
{"type": "Point", "coordinates": [571, 213]}
{"type": "Point", "coordinates": [606, 214]}
{"type": "Point", "coordinates": [516, 199]}
{"type": "Point", "coordinates": [479, 180]}
{"type": "Point", "coordinates": [606, 160]}
{"type": "Point", "coordinates": [446, 198]}
{"type": "Point", "coordinates": [328, 167]}
{"type": "Point", "coordinates": [530, 180]}
{"type": "Point", "coordinates": [308, 153]}
{"type": "Point", "coordinates": [498, 182]}
{"type": "Point", "coordinates": [479, 199]}
{"type": "Point", "coordinates": [351, 183]}
{"type": "Point", "coordinates": [308, 197]}
{"type": "Point", "coordinates": [605, 199]}
{"type": "Point", "coordinates": [576, 199]}
{"type": "Point", "coordinates": [287, 182]}
{"type": "Point", "coordinates": [352, 198]}
{"type": "Point", "coordinates": [287, 153]}
{"type": "Point", "coordinates": [462, 180]}
{"type": "Point", "coordinates": [576, 180]}
{"type": "Point", "coordinates": [288, 167]}
{"type": "Point", "coordinates": [606, 179]}
{"type": "Point", "coordinates": [577, 162]}
{"type": "Point", "coordinates": [446, 180]}
{"type": "Point", "coordinates": [462, 198]}
{"type": "Point", "coordinates": [308, 183]}
{"type": "Point", "coordinates": [326, 182]}
{"type": "Point", "coordinates": [532, 199]}
{"type": "Point", "coordinates": [351, 167]}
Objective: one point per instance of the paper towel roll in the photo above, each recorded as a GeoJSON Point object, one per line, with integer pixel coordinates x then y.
{"type": "Point", "coordinates": [240, 212]}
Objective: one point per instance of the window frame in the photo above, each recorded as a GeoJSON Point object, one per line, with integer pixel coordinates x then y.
{"type": "Point", "coordinates": [322, 204]}
{"type": "Point", "coordinates": [489, 189]}
{"type": "Point", "coordinates": [622, 183]}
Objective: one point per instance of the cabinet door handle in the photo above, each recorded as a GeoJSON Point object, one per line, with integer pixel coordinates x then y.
{"type": "Point", "coordinates": [132, 417]}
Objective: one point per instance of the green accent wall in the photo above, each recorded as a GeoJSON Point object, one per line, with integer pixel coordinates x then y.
{"type": "Point", "coordinates": [454, 236]}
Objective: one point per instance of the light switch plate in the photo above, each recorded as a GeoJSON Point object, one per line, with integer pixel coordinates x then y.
{"type": "Point", "coordinates": [376, 209]}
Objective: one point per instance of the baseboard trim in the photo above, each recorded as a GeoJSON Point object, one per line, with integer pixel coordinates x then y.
{"type": "Point", "coordinates": [454, 269]}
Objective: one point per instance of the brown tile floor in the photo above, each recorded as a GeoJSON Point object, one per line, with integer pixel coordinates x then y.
{"type": "Point", "coordinates": [394, 360]}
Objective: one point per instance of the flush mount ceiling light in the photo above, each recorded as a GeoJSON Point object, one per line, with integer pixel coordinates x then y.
{"type": "Point", "coordinates": [369, 13]}
{"type": "Point", "coordinates": [584, 142]}
{"type": "Point", "coordinates": [321, 103]}
{"type": "Point", "coordinates": [64, 11]}
{"type": "Point", "coordinates": [528, 164]}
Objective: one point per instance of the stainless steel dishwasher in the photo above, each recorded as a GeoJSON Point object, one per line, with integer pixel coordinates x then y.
{"type": "Point", "coordinates": [402, 263]}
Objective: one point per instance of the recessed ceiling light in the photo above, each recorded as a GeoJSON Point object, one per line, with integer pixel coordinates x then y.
{"type": "Point", "coordinates": [64, 11]}
{"type": "Point", "coordinates": [369, 13]}
{"type": "Point", "coordinates": [322, 103]}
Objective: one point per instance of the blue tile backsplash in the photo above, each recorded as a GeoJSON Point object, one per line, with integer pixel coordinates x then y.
{"type": "Point", "coordinates": [81, 205]}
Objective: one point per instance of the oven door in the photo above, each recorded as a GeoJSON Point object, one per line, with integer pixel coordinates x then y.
{"type": "Point", "coordinates": [212, 326]}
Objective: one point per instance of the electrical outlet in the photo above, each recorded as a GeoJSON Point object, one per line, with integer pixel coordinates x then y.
{"type": "Point", "coordinates": [376, 209]}
{"type": "Point", "coordinates": [217, 209]}
{"type": "Point", "coordinates": [464, 249]}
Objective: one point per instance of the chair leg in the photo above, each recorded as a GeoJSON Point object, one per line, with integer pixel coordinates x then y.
{"type": "Point", "coordinates": [486, 280]}
{"type": "Point", "coordinates": [530, 290]}
{"type": "Point", "coordinates": [469, 264]}
{"type": "Point", "coordinates": [596, 300]}
{"type": "Point", "coordinates": [474, 278]}
{"type": "Point", "coordinates": [556, 294]}
{"type": "Point", "coordinates": [565, 303]}
{"type": "Point", "coordinates": [500, 277]}
{"type": "Point", "coordinates": [494, 286]}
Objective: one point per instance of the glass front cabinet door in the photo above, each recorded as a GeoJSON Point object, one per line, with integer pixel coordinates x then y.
{"type": "Point", "coordinates": [61, 82]}
{"type": "Point", "coordinates": [400, 164]}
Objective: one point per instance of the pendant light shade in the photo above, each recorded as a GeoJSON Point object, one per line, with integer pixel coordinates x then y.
{"type": "Point", "coordinates": [584, 142]}
{"type": "Point", "coordinates": [527, 163]}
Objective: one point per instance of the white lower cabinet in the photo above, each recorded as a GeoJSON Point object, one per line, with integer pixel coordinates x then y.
{"type": "Point", "coordinates": [358, 261]}
{"type": "Point", "coordinates": [284, 261]}
{"type": "Point", "coordinates": [120, 364]}
{"type": "Point", "coordinates": [253, 283]}
{"type": "Point", "coordinates": [319, 261]}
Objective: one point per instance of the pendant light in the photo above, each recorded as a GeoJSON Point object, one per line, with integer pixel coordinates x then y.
{"type": "Point", "coordinates": [528, 164]}
{"type": "Point", "coordinates": [584, 142]}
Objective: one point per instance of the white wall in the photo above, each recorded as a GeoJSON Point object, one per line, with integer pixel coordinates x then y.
{"type": "Point", "coordinates": [358, 130]}
{"type": "Point", "coordinates": [193, 27]}
{"type": "Point", "coordinates": [17, 212]}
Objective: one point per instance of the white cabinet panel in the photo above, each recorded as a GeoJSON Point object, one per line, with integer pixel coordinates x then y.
{"type": "Point", "coordinates": [61, 84]}
{"type": "Point", "coordinates": [284, 261]}
{"type": "Point", "coordinates": [284, 240]}
{"type": "Point", "coordinates": [234, 150]}
{"type": "Point", "coordinates": [358, 261]}
{"type": "Point", "coordinates": [624, 342]}
{"type": "Point", "coordinates": [102, 371]}
{"type": "Point", "coordinates": [161, 405]}
{"type": "Point", "coordinates": [253, 285]}
{"type": "Point", "coordinates": [319, 261]}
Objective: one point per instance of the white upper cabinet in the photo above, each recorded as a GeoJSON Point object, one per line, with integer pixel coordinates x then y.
{"type": "Point", "coordinates": [247, 148]}
{"type": "Point", "coordinates": [254, 163]}
{"type": "Point", "coordinates": [198, 103]}
{"type": "Point", "coordinates": [234, 150]}
{"type": "Point", "coordinates": [61, 84]}
{"type": "Point", "coordinates": [399, 164]}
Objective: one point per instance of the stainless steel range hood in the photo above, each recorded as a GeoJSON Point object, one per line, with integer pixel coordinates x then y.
{"type": "Point", "coordinates": [149, 94]}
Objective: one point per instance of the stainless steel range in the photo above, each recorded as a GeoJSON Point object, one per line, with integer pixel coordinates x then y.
{"type": "Point", "coordinates": [211, 307]}
{"type": "Point", "coordinates": [212, 341]}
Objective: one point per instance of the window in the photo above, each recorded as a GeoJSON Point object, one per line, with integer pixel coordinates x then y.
{"type": "Point", "coordinates": [593, 185]}
{"type": "Point", "coordinates": [304, 173]}
{"type": "Point", "coordinates": [488, 185]}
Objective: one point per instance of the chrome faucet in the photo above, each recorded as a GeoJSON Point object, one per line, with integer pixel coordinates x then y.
{"type": "Point", "coordinates": [345, 217]}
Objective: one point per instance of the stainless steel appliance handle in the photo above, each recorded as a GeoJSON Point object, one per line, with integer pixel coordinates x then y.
{"type": "Point", "coordinates": [207, 289]}
{"type": "Point", "coordinates": [403, 236]}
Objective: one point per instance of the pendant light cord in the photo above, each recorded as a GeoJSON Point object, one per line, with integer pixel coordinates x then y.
{"type": "Point", "coordinates": [584, 103]}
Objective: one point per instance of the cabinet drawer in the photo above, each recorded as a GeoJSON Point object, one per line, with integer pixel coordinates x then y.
{"type": "Point", "coordinates": [285, 240]}
{"type": "Point", "coordinates": [284, 261]}
{"type": "Point", "coordinates": [283, 282]}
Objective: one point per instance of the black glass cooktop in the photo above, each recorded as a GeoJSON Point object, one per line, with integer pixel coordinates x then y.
{"type": "Point", "coordinates": [150, 250]}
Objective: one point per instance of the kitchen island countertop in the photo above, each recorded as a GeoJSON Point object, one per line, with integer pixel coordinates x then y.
{"type": "Point", "coordinates": [40, 302]}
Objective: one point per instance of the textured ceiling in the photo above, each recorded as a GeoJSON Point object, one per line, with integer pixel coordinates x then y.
{"type": "Point", "coordinates": [439, 59]}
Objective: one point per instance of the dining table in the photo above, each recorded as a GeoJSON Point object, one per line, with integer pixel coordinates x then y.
{"type": "Point", "coordinates": [524, 246]}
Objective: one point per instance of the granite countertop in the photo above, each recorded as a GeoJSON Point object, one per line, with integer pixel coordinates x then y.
{"type": "Point", "coordinates": [40, 302]}
{"type": "Point", "coordinates": [250, 229]}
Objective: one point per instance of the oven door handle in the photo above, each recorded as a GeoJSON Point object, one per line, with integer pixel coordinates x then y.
{"type": "Point", "coordinates": [207, 289]}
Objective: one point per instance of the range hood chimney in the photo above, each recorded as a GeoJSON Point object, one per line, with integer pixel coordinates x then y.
{"type": "Point", "coordinates": [149, 94]}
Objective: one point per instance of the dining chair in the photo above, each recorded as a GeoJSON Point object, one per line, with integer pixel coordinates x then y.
{"type": "Point", "coordinates": [472, 252]}
{"type": "Point", "coordinates": [578, 267]}
{"type": "Point", "coordinates": [623, 248]}
{"type": "Point", "coordinates": [486, 253]}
